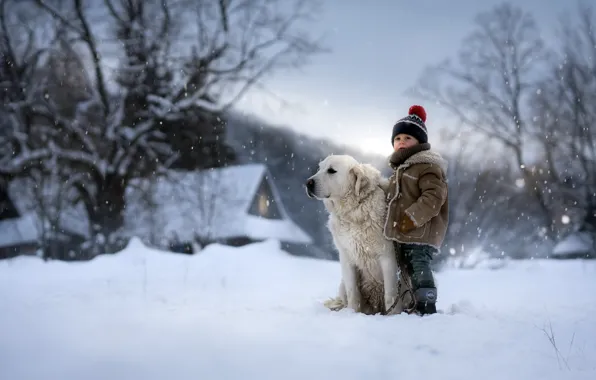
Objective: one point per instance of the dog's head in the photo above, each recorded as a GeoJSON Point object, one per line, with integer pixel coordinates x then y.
{"type": "Point", "coordinates": [340, 175]}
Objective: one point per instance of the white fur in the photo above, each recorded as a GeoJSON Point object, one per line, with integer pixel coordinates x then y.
{"type": "Point", "coordinates": [353, 195]}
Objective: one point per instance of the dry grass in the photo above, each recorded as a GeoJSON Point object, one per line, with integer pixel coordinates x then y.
{"type": "Point", "coordinates": [562, 360]}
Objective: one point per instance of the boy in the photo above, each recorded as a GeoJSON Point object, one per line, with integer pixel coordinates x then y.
{"type": "Point", "coordinates": [417, 210]}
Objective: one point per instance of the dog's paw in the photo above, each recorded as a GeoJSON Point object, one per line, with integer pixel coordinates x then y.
{"type": "Point", "coordinates": [334, 304]}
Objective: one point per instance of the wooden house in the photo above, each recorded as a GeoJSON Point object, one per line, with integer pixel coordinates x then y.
{"type": "Point", "coordinates": [234, 205]}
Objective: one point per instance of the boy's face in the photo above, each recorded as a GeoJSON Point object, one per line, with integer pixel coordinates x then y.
{"type": "Point", "coordinates": [403, 141]}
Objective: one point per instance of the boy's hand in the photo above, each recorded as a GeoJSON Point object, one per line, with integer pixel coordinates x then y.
{"type": "Point", "coordinates": [406, 224]}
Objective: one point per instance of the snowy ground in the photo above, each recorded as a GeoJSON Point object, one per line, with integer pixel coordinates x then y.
{"type": "Point", "coordinates": [256, 313]}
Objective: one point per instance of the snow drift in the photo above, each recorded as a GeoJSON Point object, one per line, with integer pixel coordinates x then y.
{"type": "Point", "coordinates": [256, 313]}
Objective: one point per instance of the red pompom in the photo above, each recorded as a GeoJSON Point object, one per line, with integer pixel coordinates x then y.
{"type": "Point", "coordinates": [418, 111]}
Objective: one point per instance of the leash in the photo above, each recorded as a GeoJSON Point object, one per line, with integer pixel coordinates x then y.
{"type": "Point", "coordinates": [408, 310]}
{"type": "Point", "coordinates": [408, 284]}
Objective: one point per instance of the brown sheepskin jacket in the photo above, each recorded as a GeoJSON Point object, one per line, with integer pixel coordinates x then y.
{"type": "Point", "coordinates": [417, 190]}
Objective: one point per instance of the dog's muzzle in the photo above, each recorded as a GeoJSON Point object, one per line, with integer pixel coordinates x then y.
{"type": "Point", "coordinates": [310, 188]}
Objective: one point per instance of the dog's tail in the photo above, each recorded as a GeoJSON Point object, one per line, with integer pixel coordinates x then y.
{"type": "Point", "coordinates": [335, 304]}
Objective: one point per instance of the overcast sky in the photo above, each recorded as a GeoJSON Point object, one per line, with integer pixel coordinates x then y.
{"type": "Point", "coordinates": [378, 50]}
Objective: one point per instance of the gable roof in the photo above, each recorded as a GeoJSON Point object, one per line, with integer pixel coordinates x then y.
{"type": "Point", "coordinates": [19, 230]}
{"type": "Point", "coordinates": [212, 204]}
{"type": "Point", "coordinates": [26, 227]}
{"type": "Point", "coordinates": [574, 243]}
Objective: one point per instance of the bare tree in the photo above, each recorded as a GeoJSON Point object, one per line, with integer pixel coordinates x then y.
{"type": "Point", "coordinates": [117, 133]}
{"type": "Point", "coordinates": [488, 90]}
{"type": "Point", "coordinates": [50, 196]}
{"type": "Point", "coordinates": [565, 115]}
{"type": "Point", "coordinates": [489, 210]}
{"type": "Point", "coordinates": [22, 48]}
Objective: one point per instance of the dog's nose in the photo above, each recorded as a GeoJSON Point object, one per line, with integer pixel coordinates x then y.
{"type": "Point", "coordinates": [310, 184]}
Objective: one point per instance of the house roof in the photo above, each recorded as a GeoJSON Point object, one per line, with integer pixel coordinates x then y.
{"type": "Point", "coordinates": [26, 227]}
{"type": "Point", "coordinates": [577, 242]}
{"type": "Point", "coordinates": [211, 204]}
{"type": "Point", "coordinates": [20, 230]}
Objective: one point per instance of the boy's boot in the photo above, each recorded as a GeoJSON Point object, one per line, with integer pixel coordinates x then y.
{"type": "Point", "coordinates": [426, 299]}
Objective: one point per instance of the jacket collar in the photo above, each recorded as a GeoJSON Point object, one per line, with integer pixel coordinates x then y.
{"type": "Point", "coordinates": [421, 156]}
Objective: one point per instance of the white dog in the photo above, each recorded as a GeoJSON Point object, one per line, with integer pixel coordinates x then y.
{"type": "Point", "coordinates": [354, 195]}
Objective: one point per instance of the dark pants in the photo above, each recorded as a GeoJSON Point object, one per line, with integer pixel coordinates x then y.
{"type": "Point", "coordinates": [416, 260]}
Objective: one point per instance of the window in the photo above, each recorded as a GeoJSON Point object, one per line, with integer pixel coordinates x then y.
{"type": "Point", "coordinates": [264, 204]}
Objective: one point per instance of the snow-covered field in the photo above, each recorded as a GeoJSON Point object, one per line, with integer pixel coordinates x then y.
{"type": "Point", "coordinates": [256, 313]}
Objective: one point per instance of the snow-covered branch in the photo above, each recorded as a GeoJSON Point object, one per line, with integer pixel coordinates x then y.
{"type": "Point", "coordinates": [63, 114]}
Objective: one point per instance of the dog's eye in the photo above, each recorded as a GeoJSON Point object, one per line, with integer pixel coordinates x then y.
{"type": "Point", "coordinates": [331, 171]}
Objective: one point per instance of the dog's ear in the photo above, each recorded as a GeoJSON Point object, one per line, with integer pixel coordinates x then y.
{"type": "Point", "coordinates": [362, 180]}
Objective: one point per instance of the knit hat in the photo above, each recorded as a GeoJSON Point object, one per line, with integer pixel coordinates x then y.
{"type": "Point", "coordinates": [412, 125]}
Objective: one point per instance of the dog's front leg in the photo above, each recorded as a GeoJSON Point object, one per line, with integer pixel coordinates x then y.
{"type": "Point", "coordinates": [350, 281]}
{"type": "Point", "coordinates": [341, 293]}
{"type": "Point", "coordinates": [389, 269]}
